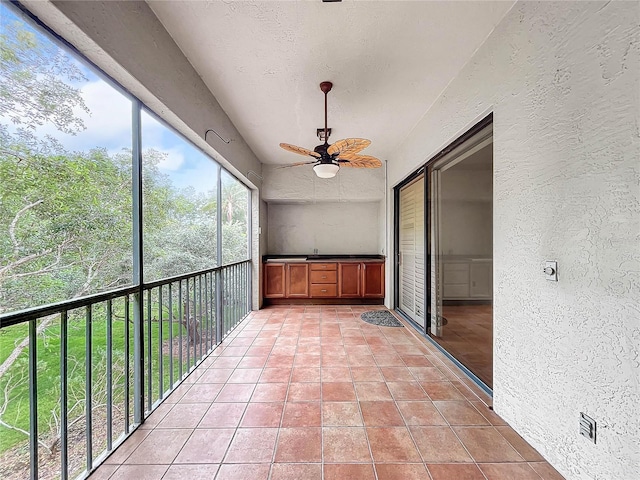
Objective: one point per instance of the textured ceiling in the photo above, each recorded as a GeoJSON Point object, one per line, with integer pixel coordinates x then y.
{"type": "Point", "coordinates": [389, 61]}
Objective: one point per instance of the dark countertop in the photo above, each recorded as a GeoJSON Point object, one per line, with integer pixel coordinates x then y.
{"type": "Point", "coordinates": [321, 258]}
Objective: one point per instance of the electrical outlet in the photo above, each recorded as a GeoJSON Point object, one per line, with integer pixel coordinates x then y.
{"type": "Point", "coordinates": [587, 427]}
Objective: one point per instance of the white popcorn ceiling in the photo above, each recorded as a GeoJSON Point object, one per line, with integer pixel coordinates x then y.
{"type": "Point", "coordinates": [389, 61]}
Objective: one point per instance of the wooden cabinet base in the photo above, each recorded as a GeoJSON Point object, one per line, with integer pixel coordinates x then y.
{"type": "Point", "coordinates": [323, 301]}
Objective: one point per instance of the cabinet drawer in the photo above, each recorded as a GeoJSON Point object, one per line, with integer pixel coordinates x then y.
{"type": "Point", "coordinates": [324, 266]}
{"type": "Point", "coordinates": [320, 290]}
{"type": "Point", "coordinates": [329, 276]}
{"type": "Point", "coordinates": [455, 291]}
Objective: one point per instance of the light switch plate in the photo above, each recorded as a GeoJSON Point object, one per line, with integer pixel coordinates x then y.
{"type": "Point", "coordinates": [551, 270]}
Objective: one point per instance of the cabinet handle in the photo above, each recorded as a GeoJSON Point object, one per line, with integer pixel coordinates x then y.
{"type": "Point", "coordinates": [324, 276]}
{"type": "Point", "coordinates": [323, 291]}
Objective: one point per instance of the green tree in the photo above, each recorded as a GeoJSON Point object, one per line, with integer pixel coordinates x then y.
{"type": "Point", "coordinates": [37, 80]}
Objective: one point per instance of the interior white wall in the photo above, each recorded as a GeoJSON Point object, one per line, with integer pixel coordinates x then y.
{"type": "Point", "coordinates": [466, 220]}
{"type": "Point", "coordinates": [562, 80]}
{"type": "Point", "coordinates": [332, 228]}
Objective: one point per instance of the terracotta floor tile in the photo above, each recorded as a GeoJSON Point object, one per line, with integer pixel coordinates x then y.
{"type": "Point", "coordinates": [406, 391]}
{"type": "Point", "coordinates": [391, 445]}
{"type": "Point", "coordinates": [178, 393]}
{"type": "Point", "coordinates": [262, 415]}
{"type": "Point", "coordinates": [304, 392]}
{"type": "Point", "coordinates": [202, 393]}
{"type": "Point", "coordinates": [226, 363]}
{"type": "Point", "coordinates": [381, 414]}
{"type": "Point", "coordinates": [260, 350]}
{"type": "Point", "coordinates": [525, 450]}
{"type": "Point", "coordinates": [490, 415]}
{"type": "Point", "coordinates": [427, 374]}
{"type": "Point", "coordinates": [215, 375]}
{"type": "Point", "coordinates": [307, 360]}
{"type": "Point", "coordinates": [296, 471]}
{"type": "Point", "coordinates": [486, 445]}
{"type": "Point", "coordinates": [184, 415]}
{"type": "Point", "coordinates": [407, 471]}
{"type": "Point", "coordinates": [338, 392]}
{"type": "Point", "coordinates": [245, 375]}
{"type": "Point", "coordinates": [221, 415]}
{"type": "Point", "coordinates": [181, 472]}
{"type": "Point", "coordinates": [442, 391]}
{"type": "Point", "coordinates": [397, 374]}
{"type": "Point", "coordinates": [159, 447]}
{"type": "Point", "coordinates": [392, 360]}
{"type": "Point", "coordinates": [280, 360]}
{"type": "Point", "coordinates": [546, 471]}
{"type": "Point", "coordinates": [508, 471]}
{"type": "Point", "coordinates": [366, 374]}
{"type": "Point", "coordinates": [252, 445]}
{"type": "Point", "coordinates": [439, 444]}
{"type": "Point", "coordinates": [420, 413]}
{"type": "Point", "coordinates": [415, 360]}
{"type": "Point", "coordinates": [359, 360]}
{"type": "Point", "coordinates": [158, 414]}
{"type": "Point", "coordinates": [372, 391]}
{"type": "Point", "coordinates": [243, 472]}
{"type": "Point", "coordinates": [302, 414]}
{"type": "Point", "coordinates": [460, 413]}
{"type": "Point", "coordinates": [305, 374]}
{"type": "Point", "coordinates": [127, 447]}
{"type": "Point", "coordinates": [351, 471]}
{"type": "Point", "coordinates": [455, 471]}
{"type": "Point", "coordinates": [234, 351]}
{"type": "Point", "coordinates": [270, 392]}
{"type": "Point", "coordinates": [235, 392]}
{"type": "Point", "coordinates": [206, 446]}
{"type": "Point", "coordinates": [275, 375]}
{"type": "Point", "coordinates": [299, 445]}
{"type": "Point", "coordinates": [341, 414]}
{"type": "Point", "coordinates": [345, 445]}
{"type": "Point", "coordinates": [140, 472]}
{"type": "Point", "coordinates": [335, 374]}
{"type": "Point", "coordinates": [105, 471]}
{"type": "Point", "coordinates": [333, 360]}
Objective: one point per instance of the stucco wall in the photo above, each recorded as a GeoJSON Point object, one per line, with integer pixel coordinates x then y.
{"type": "Point", "coordinates": [562, 80]}
{"type": "Point", "coordinates": [332, 228]}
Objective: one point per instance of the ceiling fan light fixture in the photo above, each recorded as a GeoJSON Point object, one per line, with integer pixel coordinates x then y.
{"type": "Point", "coordinates": [326, 170]}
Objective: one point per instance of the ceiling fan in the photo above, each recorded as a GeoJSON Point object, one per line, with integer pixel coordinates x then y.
{"type": "Point", "coordinates": [329, 158]}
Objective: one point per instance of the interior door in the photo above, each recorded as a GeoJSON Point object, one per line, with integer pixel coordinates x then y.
{"type": "Point", "coordinates": [411, 250]}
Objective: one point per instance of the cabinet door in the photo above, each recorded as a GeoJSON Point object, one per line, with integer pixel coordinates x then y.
{"type": "Point", "coordinates": [481, 280]}
{"type": "Point", "coordinates": [274, 280]}
{"type": "Point", "coordinates": [297, 280]}
{"type": "Point", "coordinates": [349, 280]}
{"type": "Point", "coordinates": [373, 280]}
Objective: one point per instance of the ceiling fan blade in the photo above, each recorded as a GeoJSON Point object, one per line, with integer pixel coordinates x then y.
{"type": "Point", "coordinates": [359, 161]}
{"type": "Point", "coordinates": [297, 164]}
{"type": "Point", "coordinates": [299, 150]}
{"type": "Point", "coordinates": [348, 145]}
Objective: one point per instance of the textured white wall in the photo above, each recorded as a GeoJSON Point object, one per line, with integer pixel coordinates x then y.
{"type": "Point", "coordinates": [332, 228]}
{"type": "Point", "coordinates": [563, 82]}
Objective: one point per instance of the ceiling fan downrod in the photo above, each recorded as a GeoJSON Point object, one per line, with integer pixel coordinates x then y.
{"type": "Point", "coordinates": [326, 88]}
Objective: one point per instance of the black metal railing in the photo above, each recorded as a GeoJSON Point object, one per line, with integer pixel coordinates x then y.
{"type": "Point", "coordinates": [120, 354]}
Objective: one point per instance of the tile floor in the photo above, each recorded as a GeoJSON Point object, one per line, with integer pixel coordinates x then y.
{"type": "Point", "coordinates": [314, 393]}
{"type": "Point", "coordinates": [468, 336]}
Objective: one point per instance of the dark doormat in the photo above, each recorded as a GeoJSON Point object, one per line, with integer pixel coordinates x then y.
{"type": "Point", "coordinates": [382, 318]}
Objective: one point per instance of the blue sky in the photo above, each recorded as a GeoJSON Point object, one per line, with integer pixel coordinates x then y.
{"type": "Point", "coordinates": [109, 126]}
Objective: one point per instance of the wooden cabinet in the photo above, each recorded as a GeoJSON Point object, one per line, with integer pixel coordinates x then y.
{"type": "Point", "coordinates": [373, 280]}
{"type": "Point", "coordinates": [350, 275]}
{"type": "Point", "coordinates": [274, 280]}
{"type": "Point", "coordinates": [323, 280]}
{"type": "Point", "coordinates": [348, 280]}
{"type": "Point", "coordinates": [297, 280]}
{"type": "Point", "coordinates": [467, 279]}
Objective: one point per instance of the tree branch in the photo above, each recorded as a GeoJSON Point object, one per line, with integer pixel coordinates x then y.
{"type": "Point", "coordinates": [14, 222]}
